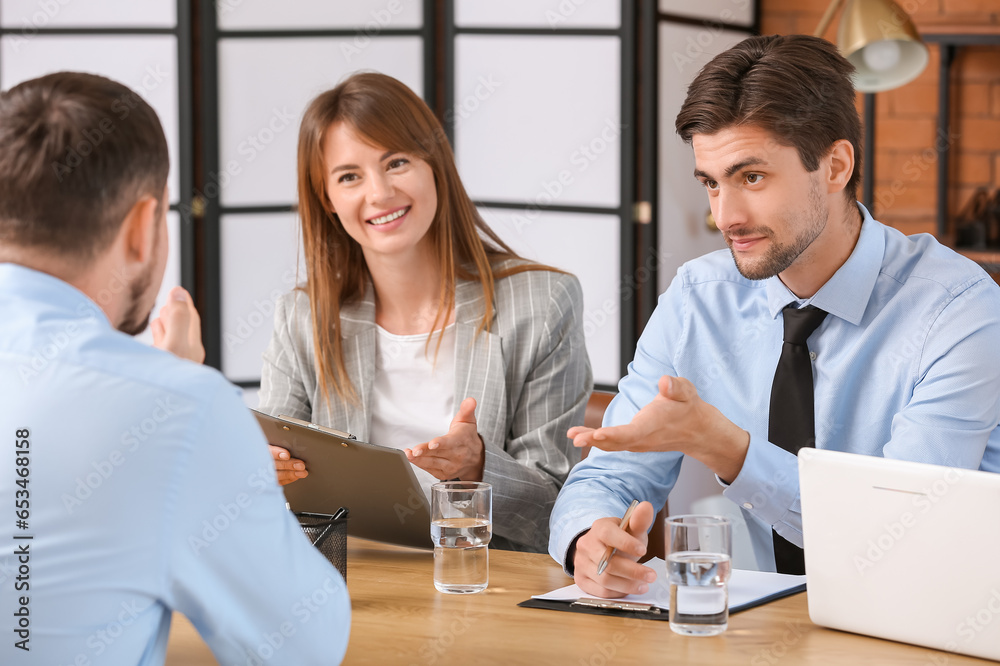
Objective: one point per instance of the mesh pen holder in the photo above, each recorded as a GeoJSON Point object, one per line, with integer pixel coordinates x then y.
{"type": "Point", "coordinates": [329, 535]}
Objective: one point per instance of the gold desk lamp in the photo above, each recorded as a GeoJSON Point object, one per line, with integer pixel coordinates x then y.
{"type": "Point", "coordinates": [880, 40]}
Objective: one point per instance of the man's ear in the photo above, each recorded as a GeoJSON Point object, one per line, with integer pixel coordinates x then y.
{"type": "Point", "coordinates": [139, 229]}
{"type": "Point", "coordinates": [840, 162]}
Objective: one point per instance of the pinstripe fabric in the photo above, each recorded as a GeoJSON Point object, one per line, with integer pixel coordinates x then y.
{"type": "Point", "coordinates": [529, 373]}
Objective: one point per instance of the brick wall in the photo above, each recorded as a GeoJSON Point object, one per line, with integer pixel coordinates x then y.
{"type": "Point", "coordinates": [906, 118]}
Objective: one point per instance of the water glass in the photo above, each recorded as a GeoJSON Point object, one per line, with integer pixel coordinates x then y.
{"type": "Point", "coordinates": [699, 554]}
{"type": "Point", "coordinates": [461, 527]}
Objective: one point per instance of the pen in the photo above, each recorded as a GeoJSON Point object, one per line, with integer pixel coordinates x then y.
{"type": "Point", "coordinates": [603, 564]}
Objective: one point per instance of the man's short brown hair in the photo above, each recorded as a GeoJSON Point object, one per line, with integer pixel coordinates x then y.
{"type": "Point", "coordinates": [796, 87]}
{"type": "Point", "coordinates": [77, 151]}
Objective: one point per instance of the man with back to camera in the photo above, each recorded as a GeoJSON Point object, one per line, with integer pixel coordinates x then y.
{"type": "Point", "coordinates": [896, 335]}
{"type": "Point", "coordinates": [135, 482]}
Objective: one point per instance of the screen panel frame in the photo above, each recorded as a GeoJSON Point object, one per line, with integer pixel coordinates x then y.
{"type": "Point", "coordinates": [626, 32]}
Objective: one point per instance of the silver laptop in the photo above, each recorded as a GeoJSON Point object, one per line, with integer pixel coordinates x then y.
{"type": "Point", "coordinates": [903, 550]}
{"type": "Point", "coordinates": [375, 483]}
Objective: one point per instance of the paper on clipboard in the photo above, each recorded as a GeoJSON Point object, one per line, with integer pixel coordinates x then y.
{"type": "Point", "coordinates": [746, 588]}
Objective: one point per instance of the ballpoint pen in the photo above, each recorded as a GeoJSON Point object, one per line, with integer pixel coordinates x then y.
{"type": "Point", "coordinates": [603, 564]}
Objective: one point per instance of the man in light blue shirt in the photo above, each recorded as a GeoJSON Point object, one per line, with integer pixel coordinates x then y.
{"type": "Point", "coordinates": [906, 364]}
{"type": "Point", "coordinates": [134, 482]}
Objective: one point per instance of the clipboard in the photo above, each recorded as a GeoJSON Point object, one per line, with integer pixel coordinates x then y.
{"type": "Point", "coordinates": [376, 483]}
{"type": "Point", "coordinates": [747, 589]}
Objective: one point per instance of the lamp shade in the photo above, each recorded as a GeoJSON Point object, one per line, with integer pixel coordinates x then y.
{"type": "Point", "coordinates": [882, 43]}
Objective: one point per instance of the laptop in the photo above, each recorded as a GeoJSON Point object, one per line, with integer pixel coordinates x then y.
{"type": "Point", "coordinates": [374, 482]}
{"type": "Point", "coordinates": [902, 550]}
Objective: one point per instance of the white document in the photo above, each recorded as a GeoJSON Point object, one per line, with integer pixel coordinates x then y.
{"type": "Point", "coordinates": [746, 588]}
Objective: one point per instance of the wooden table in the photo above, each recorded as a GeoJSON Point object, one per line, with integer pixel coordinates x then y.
{"type": "Point", "coordinates": [399, 618]}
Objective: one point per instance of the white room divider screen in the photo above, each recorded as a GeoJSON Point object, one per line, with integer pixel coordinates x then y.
{"type": "Point", "coordinates": [541, 110]}
{"type": "Point", "coordinates": [146, 46]}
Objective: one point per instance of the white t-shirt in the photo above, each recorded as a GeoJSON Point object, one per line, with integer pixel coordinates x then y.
{"type": "Point", "coordinates": [413, 398]}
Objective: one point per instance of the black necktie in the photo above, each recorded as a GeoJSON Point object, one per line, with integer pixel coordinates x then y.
{"type": "Point", "coordinates": [791, 420]}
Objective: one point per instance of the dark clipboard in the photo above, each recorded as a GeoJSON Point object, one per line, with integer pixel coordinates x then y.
{"type": "Point", "coordinates": [547, 604]}
{"type": "Point", "coordinates": [376, 483]}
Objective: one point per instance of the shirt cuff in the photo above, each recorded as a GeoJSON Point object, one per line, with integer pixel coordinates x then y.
{"type": "Point", "coordinates": [559, 546]}
{"type": "Point", "coordinates": [768, 487]}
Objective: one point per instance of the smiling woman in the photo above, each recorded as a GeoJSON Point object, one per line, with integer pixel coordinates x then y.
{"type": "Point", "coordinates": [417, 327]}
{"type": "Point", "coordinates": [385, 199]}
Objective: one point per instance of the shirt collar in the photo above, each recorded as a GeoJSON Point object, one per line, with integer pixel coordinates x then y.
{"type": "Point", "coordinates": [846, 294]}
{"type": "Point", "coordinates": [21, 282]}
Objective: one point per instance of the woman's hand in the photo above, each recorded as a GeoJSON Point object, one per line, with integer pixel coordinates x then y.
{"type": "Point", "coordinates": [178, 328]}
{"type": "Point", "coordinates": [460, 454]}
{"type": "Point", "coordinates": [289, 469]}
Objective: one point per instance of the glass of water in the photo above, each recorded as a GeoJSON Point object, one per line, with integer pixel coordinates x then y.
{"type": "Point", "coordinates": [699, 554]}
{"type": "Point", "coordinates": [461, 527]}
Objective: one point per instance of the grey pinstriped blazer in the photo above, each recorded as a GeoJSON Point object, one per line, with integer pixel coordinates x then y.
{"type": "Point", "coordinates": [529, 373]}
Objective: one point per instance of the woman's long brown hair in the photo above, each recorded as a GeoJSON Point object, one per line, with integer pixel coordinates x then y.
{"type": "Point", "coordinates": [389, 115]}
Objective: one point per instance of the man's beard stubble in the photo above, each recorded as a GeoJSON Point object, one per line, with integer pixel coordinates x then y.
{"type": "Point", "coordinates": [134, 322]}
{"type": "Point", "coordinates": [780, 256]}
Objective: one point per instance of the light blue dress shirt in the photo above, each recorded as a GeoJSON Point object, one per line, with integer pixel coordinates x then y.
{"type": "Point", "coordinates": [906, 365]}
{"type": "Point", "coordinates": [150, 489]}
